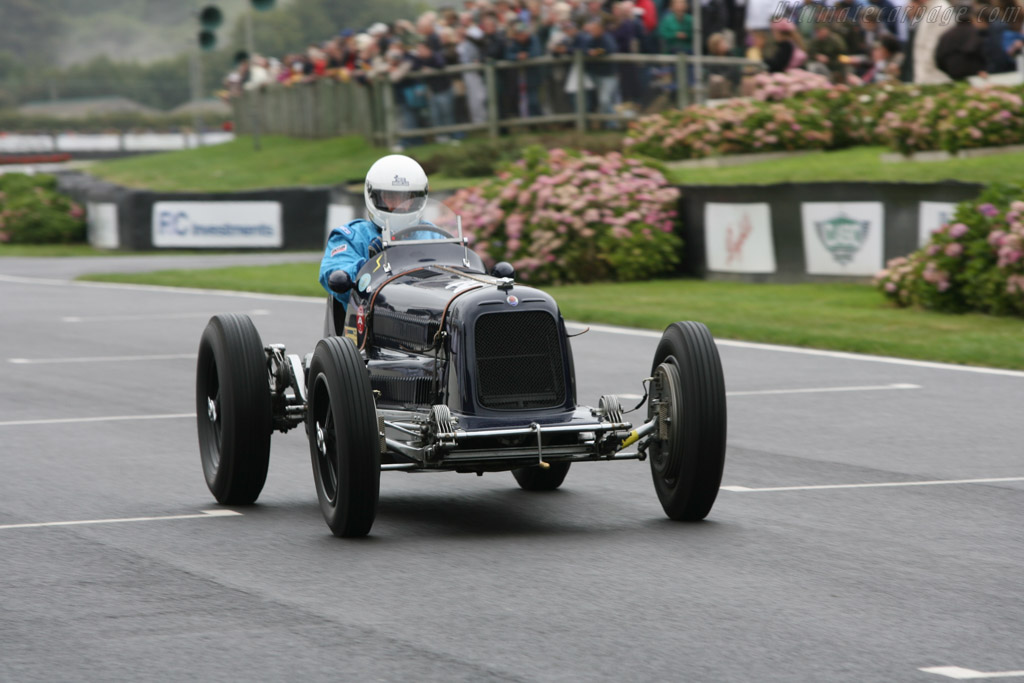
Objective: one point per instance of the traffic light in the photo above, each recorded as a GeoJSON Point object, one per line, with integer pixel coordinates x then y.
{"type": "Point", "coordinates": [209, 19]}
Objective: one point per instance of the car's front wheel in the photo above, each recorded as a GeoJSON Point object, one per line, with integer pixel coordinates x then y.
{"type": "Point", "coordinates": [343, 440]}
{"type": "Point", "coordinates": [233, 409]}
{"type": "Point", "coordinates": [687, 451]}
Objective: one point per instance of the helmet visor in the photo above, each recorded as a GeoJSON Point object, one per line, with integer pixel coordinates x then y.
{"type": "Point", "coordinates": [398, 201]}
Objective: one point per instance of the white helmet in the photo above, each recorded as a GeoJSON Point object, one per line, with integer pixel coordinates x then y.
{"type": "Point", "coordinates": [396, 192]}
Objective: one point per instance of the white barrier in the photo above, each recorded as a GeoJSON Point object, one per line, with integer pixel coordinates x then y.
{"type": "Point", "coordinates": [17, 143]}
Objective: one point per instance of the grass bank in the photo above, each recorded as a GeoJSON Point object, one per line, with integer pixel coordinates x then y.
{"type": "Point", "coordinates": [844, 317]}
{"type": "Point", "coordinates": [284, 162]}
{"type": "Point", "coordinates": [856, 164]}
{"type": "Point", "coordinates": [48, 250]}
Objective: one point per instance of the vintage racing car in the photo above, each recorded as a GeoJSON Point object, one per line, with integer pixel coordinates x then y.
{"type": "Point", "coordinates": [439, 365]}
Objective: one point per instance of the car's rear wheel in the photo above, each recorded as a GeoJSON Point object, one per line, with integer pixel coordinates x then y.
{"type": "Point", "coordinates": [343, 440]}
{"type": "Point", "coordinates": [537, 479]}
{"type": "Point", "coordinates": [687, 451]}
{"type": "Point", "coordinates": [233, 410]}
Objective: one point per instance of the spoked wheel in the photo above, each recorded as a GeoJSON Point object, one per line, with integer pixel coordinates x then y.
{"type": "Point", "coordinates": [233, 410]}
{"type": "Point", "coordinates": [343, 441]}
{"type": "Point", "coordinates": [537, 479]}
{"type": "Point", "coordinates": [687, 451]}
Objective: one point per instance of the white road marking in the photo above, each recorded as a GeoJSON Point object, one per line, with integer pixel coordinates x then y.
{"type": "Point", "coordinates": [888, 484]}
{"type": "Point", "coordinates": [609, 329]}
{"type": "Point", "coordinates": [822, 390]}
{"type": "Point", "coordinates": [151, 316]}
{"type": "Point", "coordinates": [110, 418]}
{"type": "Point", "coordinates": [100, 359]}
{"type": "Point", "coordinates": [963, 674]}
{"type": "Point", "coordinates": [50, 282]}
{"type": "Point", "coordinates": [205, 514]}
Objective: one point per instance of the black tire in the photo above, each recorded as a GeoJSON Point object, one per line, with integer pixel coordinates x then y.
{"type": "Point", "coordinates": [537, 479]}
{"type": "Point", "coordinates": [343, 440]}
{"type": "Point", "coordinates": [233, 410]}
{"type": "Point", "coordinates": [688, 456]}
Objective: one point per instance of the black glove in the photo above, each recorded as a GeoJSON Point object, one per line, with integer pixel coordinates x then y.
{"type": "Point", "coordinates": [339, 281]}
{"type": "Point", "coordinates": [375, 246]}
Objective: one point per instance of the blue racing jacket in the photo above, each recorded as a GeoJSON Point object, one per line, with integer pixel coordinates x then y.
{"type": "Point", "coordinates": [348, 248]}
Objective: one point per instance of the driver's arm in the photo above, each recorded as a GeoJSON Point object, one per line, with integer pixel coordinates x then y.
{"type": "Point", "coordinates": [348, 248]}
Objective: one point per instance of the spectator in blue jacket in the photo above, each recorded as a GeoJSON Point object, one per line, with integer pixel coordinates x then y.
{"type": "Point", "coordinates": [595, 42]}
{"type": "Point", "coordinates": [523, 44]}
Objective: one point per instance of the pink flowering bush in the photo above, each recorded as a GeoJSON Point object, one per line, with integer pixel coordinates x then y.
{"type": "Point", "coordinates": [32, 212]}
{"type": "Point", "coordinates": [775, 87]}
{"type": "Point", "coordinates": [984, 117]}
{"type": "Point", "coordinates": [907, 117]}
{"type": "Point", "coordinates": [974, 263]}
{"type": "Point", "coordinates": [956, 118]}
{"type": "Point", "coordinates": [735, 127]}
{"type": "Point", "coordinates": [560, 216]}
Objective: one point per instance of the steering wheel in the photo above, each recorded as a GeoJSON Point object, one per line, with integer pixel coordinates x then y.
{"type": "Point", "coordinates": [422, 227]}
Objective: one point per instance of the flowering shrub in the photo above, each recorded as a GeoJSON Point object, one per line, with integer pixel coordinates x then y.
{"type": "Point", "coordinates": [560, 216]}
{"type": "Point", "coordinates": [734, 127]}
{"type": "Point", "coordinates": [954, 119]}
{"type": "Point", "coordinates": [776, 87]}
{"type": "Point", "coordinates": [974, 263]}
{"type": "Point", "coordinates": [908, 118]}
{"type": "Point", "coordinates": [855, 112]}
{"type": "Point", "coordinates": [914, 127]}
{"type": "Point", "coordinates": [983, 117]}
{"type": "Point", "coordinates": [32, 212]}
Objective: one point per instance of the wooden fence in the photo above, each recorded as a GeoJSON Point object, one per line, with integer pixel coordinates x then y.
{"type": "Point", "coordinates": [327, 108]}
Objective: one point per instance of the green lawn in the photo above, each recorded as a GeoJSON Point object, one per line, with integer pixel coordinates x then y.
{"type": "Point", "coordinates": [47, 250]}
{"type": "Point", "coordinates": [858, 163]}
{"type": "Point", "coordinates": [281, 162]}
{"type": "Point", "coordinates": [846, 317]}
{"type": "Point", "coordinates": [284, 162]}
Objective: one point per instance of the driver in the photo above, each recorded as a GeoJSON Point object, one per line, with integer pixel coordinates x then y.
{"type": "Point", "coordinates": [396, 196]}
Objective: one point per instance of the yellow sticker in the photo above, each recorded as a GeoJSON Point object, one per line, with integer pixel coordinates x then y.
{"type": "Point", "coordinates": [378, 263]}
{"type": "Point", "coordinates": [350, 332]}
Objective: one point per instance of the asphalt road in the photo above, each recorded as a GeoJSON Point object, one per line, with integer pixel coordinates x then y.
{"type": "Point", "coordinates": [468, 578]}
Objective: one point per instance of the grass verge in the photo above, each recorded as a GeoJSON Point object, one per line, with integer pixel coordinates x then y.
{"type": "Point", "coordinates": [845, 317]}
{"type": "Point", "coordinates": [288, 162]}
{"type": "Point", "coordinates": [48, 250]}
{"type": "Point", "coordinates": [284, 162]}
{"type": "Point", "coordinates": [856, 164]}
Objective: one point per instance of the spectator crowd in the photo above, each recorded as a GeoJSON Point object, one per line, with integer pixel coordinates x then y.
{"type": "Point", "coordinates": [924, 41]}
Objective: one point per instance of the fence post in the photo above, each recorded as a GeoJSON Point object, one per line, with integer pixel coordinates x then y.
{"type": "Point", "coordinates": [581, 92]}
{"type": "Point", "coordinates": [491, 78]}
{"type": "Point", "coordinates": [682, 81]}
{"type": "Point", "coordinates": [388, 92]}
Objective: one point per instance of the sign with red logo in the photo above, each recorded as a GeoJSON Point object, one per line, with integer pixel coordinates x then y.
{"type": "Point", "coordinates": [360, 320]}
{"type": "Point", "coordinates": [738, 238]}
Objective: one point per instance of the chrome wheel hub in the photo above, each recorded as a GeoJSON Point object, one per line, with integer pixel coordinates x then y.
{"type": "Point", "coordinates": [321, 441]}
{"type": "Point", "coordinates": [211, 409]}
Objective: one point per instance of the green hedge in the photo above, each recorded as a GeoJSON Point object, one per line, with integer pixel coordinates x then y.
{"type": "Point", "coordinates": [32, 212]}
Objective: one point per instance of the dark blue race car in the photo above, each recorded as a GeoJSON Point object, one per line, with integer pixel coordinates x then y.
{"type": "Point", "coordinates": [439, 365]}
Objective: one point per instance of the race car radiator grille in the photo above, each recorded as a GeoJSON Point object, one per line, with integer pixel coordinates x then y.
{"type": "Point", "coordinates": [519, 361]}
{"type": "Point", "coordinates": [405, 390]}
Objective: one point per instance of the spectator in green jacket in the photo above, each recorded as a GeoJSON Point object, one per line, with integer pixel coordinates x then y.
{"type": "Point", "coordinates": [676, 29]}
{"type": "Point", "coordinates": [826, 48]}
